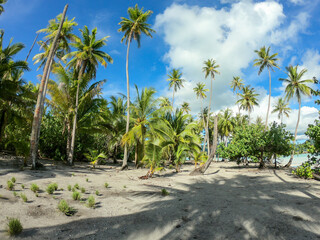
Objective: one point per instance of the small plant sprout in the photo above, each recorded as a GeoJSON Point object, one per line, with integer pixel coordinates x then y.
{"type": "Point", "coordinates": [87, 179]}
{"type": "Point", "coordinates": [91, 202]}
{"type": "Point", "coordinates": [164, 192]}
{"type": "Point", "coordinates": [22, 186]}
{"type": "Point", "coordinates": [50, 188]}
{"type": "Point", "coordinates": [13, 179]}
{"type": "Point", "coordinates": [10, 185]}
{"type": "Point", "coordinates": [83, 190]}
{"type": "Point", "coordinates": [37, 195]}
{"type": "Point", "coordinates": [93, 156]}
{"type": "Point", "coordinates": [65, 208]}
{"type": "Point", "coordinates": [34, 188]}
{"type": "Point", "coordinates": [73, 189]}
{"type": "Point", "coordinates": [14, 226]}
{"type": "Point", "coordinates": [76, 196]}
{"type": "Point", "coordinates": [106, 185]}
{"type": "Point", "coordinates": [76, 186]}
{"type": "Point", "coordinates": [69, 187]}
{"type": "Point", "coordinates": [55, 185]}
{"type": "Point", "coordinates": [24, 197]}
{"type": "Point", "coordinates": [97, 193]}
{"type": "Point", "coordinates": [15, 194]}
{"type": "Point", "coordinates": [124, 186]}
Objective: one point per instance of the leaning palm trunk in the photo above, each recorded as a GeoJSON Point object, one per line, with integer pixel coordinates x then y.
{"type": "Point", "coordinates": [267, 117]}
{"type": "Point", "coordinates": [36, 124]}
{"type": "Point", "coordinates": [125, 157]}
{"type": "Point", "coordinates": [74, 126]}
{"type": "Point", "coordinates": [203, 168]}
{"type": "Point", "coordinates": [295, 137]}
{"type": "Point", "coordinates": [207, 127]}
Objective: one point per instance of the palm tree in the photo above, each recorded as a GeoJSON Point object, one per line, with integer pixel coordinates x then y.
{"type": "Point", "coordinates": [282, 108]}
{"type": "Point", "coordinates": [175, 81]}
{"type": "Point", "coordinates": [132, 28]}
{"type": "Point", "coordinates": [226, 124]}
{"type": "Point", "coordinates": [296, 87]}
{"type": "Point", "coordinates": [85, 59]}
{"type": "Point", "coordinates": [1, 7]}
{"type": "Point", "coordinates": [185, 107]}
{"type": "Point", "coordinates": [164, 102]}
{"type": "Point", "coordinates": [266, 60]}
{"type": "Point", "coordinates": [237, 85]}
{"type": "Point", "coordinates": [200, 91]}
{"type": "Point", "coordinates": [210, 69]}
{"type": "Point", "coordinates": [248, 99]}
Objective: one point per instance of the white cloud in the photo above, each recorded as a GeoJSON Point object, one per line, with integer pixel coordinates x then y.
{"type": "Point", "coordinates": [297, 2]}
{"type": "Point", "coordinates": [311, 61]}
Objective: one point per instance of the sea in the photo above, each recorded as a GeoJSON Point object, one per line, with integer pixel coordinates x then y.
{"type": "Point", "coordinates": [297, 160]}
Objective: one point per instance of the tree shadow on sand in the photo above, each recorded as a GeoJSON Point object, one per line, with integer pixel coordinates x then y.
{"type": "Point", "coordinates": [216, 207]}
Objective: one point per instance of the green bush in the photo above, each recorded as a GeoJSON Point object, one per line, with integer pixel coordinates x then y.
{"type": "Point", "coordinates": [83, 190]}
{"type": "Point", "coordinates": [65, 208]}
{"type": "Point", "coordinates": [164, 192]}
{"type": "Point", "coordinates": [91, 202]}
{"type": "Point", "coordinates": [13, 179]}
{"type": "Point", "coordinates": [14, 226]}
{"type": "Point", "coordinates": [87, 179]}
{"type": "Point", "coordinates": [51, 188]}
{"type": "Point", "coordinates": [10, 185]}
{"type": "Point", "coordinates": [76, 186]}
{"type": "Point", "coordinates": [34, 188]}
{"type": "Point", "coordinates": [97, 193]}
{"type": "Point", "coordinates": [106, 185]}
{"type": "Point", "coordinates": [24, 197]}
{"type": "Point", "coordinates": [76, 196]}
{"type": "Point", "coordinates": [55, 185]}
{"type": "Point", "coordinates": [69, 187]}
{"type": "Point", "coordinates": [22, 186]}
{"type": "Point", "coordinates": [15, 194]}
{"type": "Point", "coordinates": [304, 171]}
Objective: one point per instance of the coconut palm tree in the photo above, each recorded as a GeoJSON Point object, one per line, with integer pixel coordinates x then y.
{"type": "Point", "coordinates": [296, 87]}
{"type": "Point", "coordinates": [266, 60]}
{"type": "Point", "coordinates": [200, 91]}
{"type": "Point", "coordinates": [210, 69]}
{"type": "Point", "coordinates": [133, 27]}
{"type": "Point", "coordinates": [175, 81]}
{"type": "Point", "coordinates": [226, 124]}
{"type": "Point", "coordinates": [237, 85]}
{"type": "Point", "coordinates": [1, 7]}
{"type": "Point", "coordinates": [85, 60]}
{"type": "Point", "coordinates": [282, 108]}
{"type": "Point", "coordinates": [248, 100]}
{"type": "Point", "coordinates": [185, 107]}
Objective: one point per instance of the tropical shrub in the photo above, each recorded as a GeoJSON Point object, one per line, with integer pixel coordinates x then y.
{"type": "Point", "coordinates": [304, 171]}
{"type": "Point", "coordinates": [10, 185]}
{"type": "Point", "coordinates": [91, 202]}
{"type": "Point", "coordinates": [34, 188]}
{"type": "Point", "coordinates": [14, 226]}
{"type": "Point", "coordinates": [76, 196]}
{"type": "Point", "coordinates": [51, 188]}
{"type": "Point", "coordinates": [24, 197]}
{"type": "Point", "coordinates": [65, 208]}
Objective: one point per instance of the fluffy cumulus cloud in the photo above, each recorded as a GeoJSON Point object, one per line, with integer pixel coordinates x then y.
{"type": "Point", "coordinates": [229, 36]}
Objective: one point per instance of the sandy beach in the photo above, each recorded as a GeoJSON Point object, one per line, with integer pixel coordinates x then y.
{"type": "Point", "coordinates": [228, 202]}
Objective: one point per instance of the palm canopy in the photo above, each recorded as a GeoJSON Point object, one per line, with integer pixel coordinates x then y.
{"type": "Point", "coordinates": [88, 52]}
{"type": "Point", "coordinates": [248, 99]}
{"type": "Point", "coordinates": [265, 60]}
{"type": "Point", "coordinates": [135, 25]}
{"type": "Point", "coordinates": [200, 90]}
{"type": "Point", "coordinates": [185, 107]}
{"type": "Point", "coordinates": [226, 122]}
{"type": "Point", "coordinates": [210, 68]}
{"type": "Point", "coordinates": [295, 85]}
{"type": "Point", "coordinates": [282, 108]}
{"type": "Point", "coordinates": [175, 80]}
{"type": "Point", "coordinates": [1, 7]}
{"type": "Point", "coordinates": [237, 83]}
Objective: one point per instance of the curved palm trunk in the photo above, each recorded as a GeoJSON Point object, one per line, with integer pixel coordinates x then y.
{"type": "Point", "coordinates": [295, 136]}
{"type": "Point", "coordinates": [207, 127]}
{"type": "Point", "coordinates": [204, 125]}
{"type": "Point", "coordinates": [172, 98]}
{"type": "Point", "coordinates": [36, 123]}
{"type": "Point", "coordinates": [74, 126]}
{"type": "Point", "coordinates": [125, 157]}
{"type": "Point", "coordinates": [269, 101]}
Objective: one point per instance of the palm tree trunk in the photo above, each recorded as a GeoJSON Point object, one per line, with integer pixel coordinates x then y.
{"type": "Point", "coordinates": [125, 157]}
{"type": "Point", "coordinates": [203, 168]}
{"type": "Point", "coordinates": [74, 126]}
{"type": "Point", "coordinates": [32, 47]}
{"type": "Point", "coordinates": [172, 98]}
{"type": "Point", "coordinates": [36, 124]}
{"type": "Point", "coordinates": [2, 124]}
{"type": "Point", "coordinates": [269, 101]}
{"type": "Point", "coordinates": [209, 116]}
{"type": "Point", "coordinates": [295, 136]}
{"type": "Point", "coordinates": [68, 137]}
{"type": "Point", "coordinates": [204, 125]}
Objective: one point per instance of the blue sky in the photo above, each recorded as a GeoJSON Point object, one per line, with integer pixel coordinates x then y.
{"type": "Point", "coordinates": [189, 32]}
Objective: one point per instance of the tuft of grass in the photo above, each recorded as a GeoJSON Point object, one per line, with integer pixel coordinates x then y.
{"type": "Point", "coordinates": [69, 187]}
{"type": "Point", "coordinates": [76, 196]}
{"type": "Point", "coordinates": [14, 226]}
{"type": "Point", "coordinates": [106, 185]}
{"type": "Point", "coordinates": [13, 179]}
{"type": "Point", "coordinates": [10, 185]}
{"type": "Point", "coordinates": [73, 189]}
{"type": "Point", "coordinates": [65, 208]}
{"type": "Point", "coordinates": [87, 179]}
{"type": "Point", "coordinates": [91, 202]}
{"type": "Point", "coordinates": [24, 197]}
{"type": "Point", "coordinates": [51, 188]}
{"type": "Point", "coordinates": [97, 193]}
{"type": "Point", "coordinates": [83, 190]}
{"type": "Point", "coordinates": [55, 185]}
{"type": "Point", "coordinates": [34, 188]}
{"type": "Point", "coordinates": [76, 186]}
{"type": "Point", "coordinates": [164, 192]}
{"type": "Point", "coordinates": [22, 185]}
{"type": "Point", "coordinates": [15, 194]}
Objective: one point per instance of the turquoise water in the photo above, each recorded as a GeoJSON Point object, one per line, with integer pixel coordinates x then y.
{"type": "Point", "coordinates": [297, 160]}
